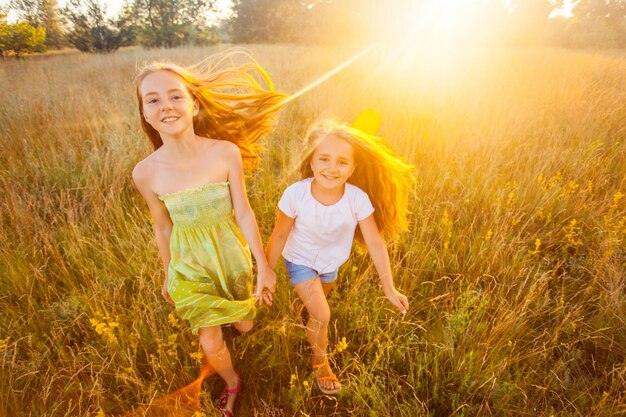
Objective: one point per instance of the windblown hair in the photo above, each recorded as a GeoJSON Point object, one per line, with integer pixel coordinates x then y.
{"type": "Point", "coordinates": [385, 177]}
{"type": "Point", "coordinates": [237, 101]}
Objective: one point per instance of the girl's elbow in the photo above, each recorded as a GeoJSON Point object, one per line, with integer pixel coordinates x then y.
{"type": "Point", "coordinates": [163, 229]}
{"type": "Point", "coordinates": [376, 244]}
{"type": "Point", "coordinates": [244, 215]}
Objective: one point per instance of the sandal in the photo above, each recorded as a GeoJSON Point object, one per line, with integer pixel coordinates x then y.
{"type": "Point", "coordinates": [325, 378]}
{"type": "Point", "coordinates": [226, 394]}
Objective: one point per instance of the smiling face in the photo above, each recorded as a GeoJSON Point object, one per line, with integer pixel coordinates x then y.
{"type": "Point", "coordinates": [167, 105]}
{"type": "Point", "coordinates": [332, 162]}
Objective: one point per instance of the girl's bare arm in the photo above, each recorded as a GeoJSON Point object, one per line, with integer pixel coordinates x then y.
{"type": "Point", "coordinates": [246, 220]}
{"type": "Point", "coordinates": [279, 236]}
{"type": "Point", "coordinates": [160, 216]}
{"type": "Point", "coordinates": [380, 256]}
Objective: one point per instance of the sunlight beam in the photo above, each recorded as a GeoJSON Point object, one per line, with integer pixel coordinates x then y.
{"type": "Point", "coordinates": [326, 76]}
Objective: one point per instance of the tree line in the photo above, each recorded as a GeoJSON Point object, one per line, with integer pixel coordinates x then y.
{"type": "Point", "coordinates": [595, 23]}
{"type": "Point", "coordinates": [84, 24]}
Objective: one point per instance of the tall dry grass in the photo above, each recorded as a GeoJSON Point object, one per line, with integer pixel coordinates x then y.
{"type": "Point", "coordinates": [514, 265]}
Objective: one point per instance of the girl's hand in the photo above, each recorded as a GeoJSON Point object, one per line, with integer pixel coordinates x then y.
{"type": "Point", "coordinates": [398, 299]}
{"type": "Point", "coordinates": [166, 295]}
{"type": "Point", "coordinates": [265, 286]}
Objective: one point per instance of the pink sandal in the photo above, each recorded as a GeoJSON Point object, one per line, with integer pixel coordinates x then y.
{"type": "Point", "coordinates": [226, 394]}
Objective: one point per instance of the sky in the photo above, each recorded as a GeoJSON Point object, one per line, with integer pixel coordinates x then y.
{"type": "Point", "coordinates": [114, 7]}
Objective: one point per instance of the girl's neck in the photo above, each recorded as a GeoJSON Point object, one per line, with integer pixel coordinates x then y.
{"type": "Point", "coordinates": [182, 146]}
{"type": "Point", "coordinates": [327, 196]}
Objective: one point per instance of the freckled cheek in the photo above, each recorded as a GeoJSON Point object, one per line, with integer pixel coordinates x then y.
{"type": "Point", "coordinates": [151, 118]}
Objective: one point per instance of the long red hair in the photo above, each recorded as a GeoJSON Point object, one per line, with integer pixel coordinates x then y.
{"type": "Point", "coordinates": [237, 102]}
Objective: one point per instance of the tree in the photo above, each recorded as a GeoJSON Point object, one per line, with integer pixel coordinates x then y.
{"type": "Point", "coordinates": [611, 10]}
{"type": "Point", "coordinates": [170, 23]}
{"type": "Point", "coordinates": [606, 17]}
{"type": "Point", "coordinates": [50, 19]}
{"type": "Point", "coordinates": [42, 13]}
{"type": "Point", "coordinates": [260, 20]}
{"type": "Point", "coordinates": [595, 24]}
{"type": "Point", "coordinates": [91, 30]}
{"type": "Point", "coordinates": [21, 38]}
{"type": "Point", "coordinates": [312, 21]}
{"type": "Point", "coordinates": [27, 9]}
{"type": "Point", "coordinates": [4, 33]}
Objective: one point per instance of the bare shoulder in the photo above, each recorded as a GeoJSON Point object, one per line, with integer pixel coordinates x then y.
{"type": "Point", "coordinates": [227, 149]}
{"type": "Point", "coordinates": [143, 172]}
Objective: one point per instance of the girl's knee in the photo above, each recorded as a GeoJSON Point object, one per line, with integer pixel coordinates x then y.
{"type": "Point", "coordinates": [211, 341]}
{"type": "Point", "coordinates": [244, 326]}
{"type": "Point", "coordinates": [321, 316]}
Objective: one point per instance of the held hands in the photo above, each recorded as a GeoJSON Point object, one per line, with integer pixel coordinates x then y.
{"type": "Point", "coordinates": [397, 299]}
{"type": "Point", "coordinates": [265, 286]}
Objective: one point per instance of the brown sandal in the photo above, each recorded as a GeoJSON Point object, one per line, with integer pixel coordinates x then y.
{"type": "Point", "coordinates": [325, 378]}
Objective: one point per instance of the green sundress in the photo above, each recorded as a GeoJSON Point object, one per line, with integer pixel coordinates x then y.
{"type": "Point", "coordinates": [210, 271]}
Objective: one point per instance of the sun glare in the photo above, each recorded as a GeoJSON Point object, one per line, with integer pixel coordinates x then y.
{"type": "Point", "coordinates": [444, 31]}
{"type": "Point", "coordinates": [566, 10]}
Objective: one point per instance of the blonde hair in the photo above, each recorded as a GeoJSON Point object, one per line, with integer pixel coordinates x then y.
{"type": "Point", "coordinates": [234, 105]}
{"type": "Point", "coordinates": [385, 177]}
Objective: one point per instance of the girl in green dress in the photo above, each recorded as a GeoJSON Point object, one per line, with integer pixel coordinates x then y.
{"type": "Point", "coordinates": [204, 122]}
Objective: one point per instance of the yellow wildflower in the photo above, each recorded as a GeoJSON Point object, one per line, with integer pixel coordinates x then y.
{"type": "Point", "coordinates": [571, 233]}
{"type": "Point", "coordinates": [616, 198]}
{"type": "Point", "coordinates": [4, 343]}
{"type": "Point", "coordinates": [445, 219]}
{"type": "Point", "coordinates": [572, 186]}
{"type": "Point", "coordinates": [510, 198]}
{"type": "Point", "coordinates": [341, 345]}
{"type": "Point", "coordinates": [173, 320]}
{"type": "Point", "coordinates": [542, 182]}
{"type": "Point", "coordinates": [168, 347]}
{"type": "Point", "coordinates": [197, 356]}
{"type": "Point", "coordinates": [105, 327]}
{"type": "Point", "coordinates": [537, 246]}
{"type": "Point", "coordinates": [556, 179]}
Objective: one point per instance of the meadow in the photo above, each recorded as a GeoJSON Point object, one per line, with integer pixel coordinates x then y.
{"type": "Point", "coordinates": [514, 263]}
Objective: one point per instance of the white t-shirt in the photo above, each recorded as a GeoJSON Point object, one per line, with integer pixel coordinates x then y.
{"type": "Point", "coordinates": [321, 237]}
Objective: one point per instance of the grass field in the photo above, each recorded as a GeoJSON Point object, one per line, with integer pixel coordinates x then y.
{"type": "Point", "coordinates": [514, 264]}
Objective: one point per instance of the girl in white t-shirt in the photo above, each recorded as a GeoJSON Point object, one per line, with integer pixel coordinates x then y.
{"type": "Point", "coordinates": [318, 217]}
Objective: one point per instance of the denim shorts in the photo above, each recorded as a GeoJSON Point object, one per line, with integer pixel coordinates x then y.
{"type": "Point", "coordinates": [301, 273]}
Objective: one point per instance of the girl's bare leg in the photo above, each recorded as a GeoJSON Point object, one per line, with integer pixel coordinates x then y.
{"type": "Point", "coordinates": [244, 326]}
{"type": "Point", "coordinates": [313, 296]}
{"type": "Point", "coordinates": [217, 354]}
